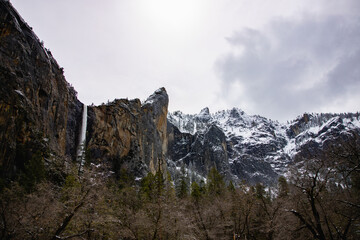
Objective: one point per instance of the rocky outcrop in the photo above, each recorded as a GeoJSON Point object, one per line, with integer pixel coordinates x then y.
{"type": "Point", "coordinates": [128, 134]}
{"type": "Point", "coordinates": [236, 144]}
{"type": "Point", "coordinates": [256, 149]}
{"type": "Point", "coordinates": [202, 151]}
{"type": "Point", "coordinates": [40, 115]}
{"type": "Point", "coordinates": [39, 110]}
{"type": "Point", "coordinates": [336, 138]}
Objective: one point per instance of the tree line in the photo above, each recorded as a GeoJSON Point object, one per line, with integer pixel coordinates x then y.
{"type": "Point", "coordinates": [319, 199]}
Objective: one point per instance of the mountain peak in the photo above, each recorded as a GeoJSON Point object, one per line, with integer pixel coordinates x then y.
{"type": "Point", "coordinates": [161, 90]}
{"type": "Point", "coordinates": [236, 113]}
{"type": "Point", "coordinates": [205, 111]}
{"type": "Point", "coordinates": [204, 114]}
{"type": "Point", "coordinates": [159, 95]}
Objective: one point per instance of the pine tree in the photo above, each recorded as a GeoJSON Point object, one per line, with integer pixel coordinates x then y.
{"type": "Point", "coordinates": [202, 187]}
{"type": "Point", "coordinates": [125, 178]}
{"type": "Point", "coordinates": [159, 183]}
{"type": "Point", "coordinates": [283, 187]}
{"type": "Point", "coordinates": [231, 187]}
{"type": "Point", "coordinates": [195, 191]}
{"type": "Point", "coordinates": [260, 191]}
{"type": "Point", "coordinates": [169, 186]}
{"type": "Point", "coordinates": [34, 171]}
{"type": "Point", "coordinates": [147, 186]}
{"type": "Point", "coordinates": [215, 184]}
{"type": "Point", "coordinates": [182, 188]}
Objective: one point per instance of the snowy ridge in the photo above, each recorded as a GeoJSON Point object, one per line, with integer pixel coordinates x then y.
{"type": "Point", "coordinates": [259, 148]}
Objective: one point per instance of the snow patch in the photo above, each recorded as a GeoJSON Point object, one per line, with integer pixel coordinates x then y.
{"type": "Point", "coordinates": [20, 93]}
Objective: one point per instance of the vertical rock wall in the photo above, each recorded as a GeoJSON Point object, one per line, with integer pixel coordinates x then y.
{"type": "Point", "coordinates": [128, 134]}
{"type": "Point", "coordinates": [39, 110]}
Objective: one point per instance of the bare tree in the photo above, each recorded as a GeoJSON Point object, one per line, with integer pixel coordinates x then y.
{"type": "Point", "coordinates": [317, 201]}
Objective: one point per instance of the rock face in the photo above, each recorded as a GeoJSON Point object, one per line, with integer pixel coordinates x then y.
{"type": "Point", "coordinates": [39, 110]}
{"type": "Point", "coordinates": [40, 114]}
{"type": "Point", "coordinates": [253, 148]}
{"type": "Point", "coordinates": [236, 144]}
{"type": "Point", "coordinates": [129, 134]}
{"type": "Point", "coordinates": [202, 151]}
{"type": "Point", "coordinates": [339, 136]}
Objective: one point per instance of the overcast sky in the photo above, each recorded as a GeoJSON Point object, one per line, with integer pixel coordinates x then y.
{"type": "Point", "coordinates": [277, 58]}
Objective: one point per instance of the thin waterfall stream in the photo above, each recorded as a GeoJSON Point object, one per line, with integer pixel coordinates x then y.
{"type": "Point", "coordinates": [82, 140]}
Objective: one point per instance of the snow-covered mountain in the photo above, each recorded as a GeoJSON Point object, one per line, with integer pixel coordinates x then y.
{"type": "Point", "coordinates": [251, 147]}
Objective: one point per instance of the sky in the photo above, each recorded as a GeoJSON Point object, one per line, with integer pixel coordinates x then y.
{"type": "Point", "coordinates": [278, 58]}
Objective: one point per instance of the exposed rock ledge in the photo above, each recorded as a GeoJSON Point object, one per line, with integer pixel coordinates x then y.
{"type": "Point", "coordinates": [129, 134]}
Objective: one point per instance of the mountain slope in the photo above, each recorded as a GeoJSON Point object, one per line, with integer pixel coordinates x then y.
{"type": "Point", "coordinates": [40, 114]}
{"type": "Point", "coordinates": [253, 148]}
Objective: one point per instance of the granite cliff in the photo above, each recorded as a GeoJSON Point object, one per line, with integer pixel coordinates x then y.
{"type": "Point", "coordinates": [254, 148]}
{"type": "Point", "coordinates": [39, 110]}
{"type": "Point", "coordinates": [41, 115]}
{"type": "Point", "coordinates": [128, 134]}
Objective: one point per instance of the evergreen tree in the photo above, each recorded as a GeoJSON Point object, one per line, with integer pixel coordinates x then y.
{"type": "Point", "coordinates": [147, 186]}
{"type": "Point", "coordinates": [159, 183]}
{"type": "Point", "coordinates": [195, 191]}
{"type": "Point", "coordinates": [34, 171]}
{"type": "Point", "coordinates": [231, 187]}
{"type": "Point", "coordinates": [215, 184]}
{"type": "Point", "coordinates": [202, 187]}
{"type": "Point", "coordinates": [169, 186]}
{"type": "Point", "coordinates": [125, 178]}
{"type": "Point", "coordinates": [182, 188]}
{"type": "Point", "coordinates": [260, 191]}
{"type": "Point", "coordinates": [283, 187]}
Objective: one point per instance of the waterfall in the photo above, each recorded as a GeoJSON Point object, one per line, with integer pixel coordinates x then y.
{"type": "Point", "coordinates": [82, 140]}
{"type": "Point", "coordinates": [194, 131]}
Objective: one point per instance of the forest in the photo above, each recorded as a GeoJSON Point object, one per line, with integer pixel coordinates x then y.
{"type": "Point", "coordinates": [318, 199]}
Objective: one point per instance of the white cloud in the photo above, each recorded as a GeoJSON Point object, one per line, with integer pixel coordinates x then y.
{"type": "Point", "coordinates": [294, 65]}
{"type": "Point", "coordinates": [282, 53]}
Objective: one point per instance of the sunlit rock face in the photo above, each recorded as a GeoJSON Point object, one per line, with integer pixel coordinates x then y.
{"type": "Point", "coordinates": [130, 134]}
{"type": "Point", "coordinates": [39, 110]}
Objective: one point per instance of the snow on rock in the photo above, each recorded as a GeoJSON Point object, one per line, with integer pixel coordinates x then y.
{"type": "Point", "coordinates": [257, 148]}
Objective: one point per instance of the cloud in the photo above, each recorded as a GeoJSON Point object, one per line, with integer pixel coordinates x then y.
{"type": "Point", "coordinates": [293, 65]}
